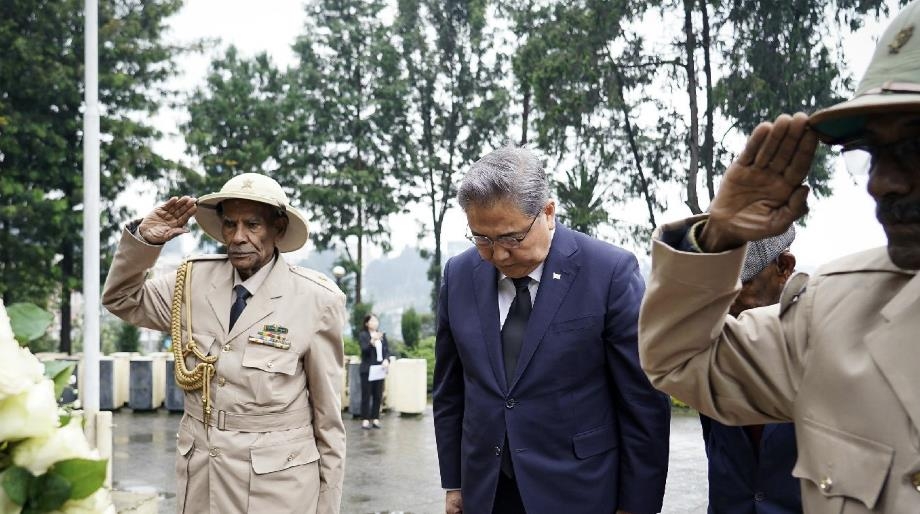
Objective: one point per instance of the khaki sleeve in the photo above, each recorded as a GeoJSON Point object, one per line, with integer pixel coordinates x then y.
{"type": "Point", "coordinates": [738, 371]}
{"type": "Point", "coordinates": [128, 293]}
{"type": "Point", "coordinates": [324, 363]}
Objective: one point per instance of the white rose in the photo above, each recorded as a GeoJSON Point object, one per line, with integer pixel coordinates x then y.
{"type": "Point", "coordinates": [33, 413]}
{"type": "Point", "coordinates": [39, 453]}
{"type": "Point", "coordinates": [6, 504]}
{"type": "Point", "coordinates": [97, 503]}
{"type": "Point", "coordinates": [19, 370]}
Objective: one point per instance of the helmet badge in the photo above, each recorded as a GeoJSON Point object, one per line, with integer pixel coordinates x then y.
{"type": "Point", "coordinates": [901, 39]}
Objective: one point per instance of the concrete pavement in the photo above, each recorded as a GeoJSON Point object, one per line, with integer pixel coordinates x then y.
{"type": "Point", "coordinates": [394, 469]}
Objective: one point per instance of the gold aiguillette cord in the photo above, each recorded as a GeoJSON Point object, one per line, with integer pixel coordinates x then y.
{"type": "Point", "coordinates": [200, 376]}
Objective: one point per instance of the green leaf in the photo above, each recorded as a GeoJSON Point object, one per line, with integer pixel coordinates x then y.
{"type": "Point", "coordinates": [16, 482]}
{"type": "Point", "coordinates": [48, 492]}
{"type": "Point", "coordinates": [29, 321]}
{"type": "Point", "coordinates": [60, 372]}
{"type": "Point", "coordinates": [85, 476]}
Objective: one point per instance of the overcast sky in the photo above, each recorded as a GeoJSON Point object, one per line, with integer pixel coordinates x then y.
{"type": "Point", "coordinates": [842, 224]}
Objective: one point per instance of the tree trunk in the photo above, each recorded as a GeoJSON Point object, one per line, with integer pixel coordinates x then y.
{"type": "Point", "coordinates": [67, 266]}
{"type": "Point", "coordinates": [525, 115]}
{"type": "Point", "coordinates": [694, 140]}
{"type": "Point", "coordinates": [634, 147]}
{"type": "Point", "coordinates": [708, 138]}
{"type": "Point", "coordinates": [360, 262]}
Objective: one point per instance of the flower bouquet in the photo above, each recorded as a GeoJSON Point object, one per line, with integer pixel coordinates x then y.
{"type": "Point", "coordinates": [46, 464]}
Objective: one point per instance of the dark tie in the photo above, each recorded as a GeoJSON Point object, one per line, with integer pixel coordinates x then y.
{"type": "Point", "coordinates": [515, 325]}
{"type": "Point", "coordinates": [242, 294]}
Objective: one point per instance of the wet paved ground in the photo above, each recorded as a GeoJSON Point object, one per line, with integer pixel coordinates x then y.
{"type": "Point", "coordinates": [394, 469]}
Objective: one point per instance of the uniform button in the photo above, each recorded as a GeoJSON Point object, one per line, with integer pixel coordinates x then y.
{"type": "Point", "coordinates": [214, 452]}
{"type": "Point", "coordinates": [290, 457]}
{"type": "Point", "coordinates": [759, 496]}
{"type": "Point", "coordinates": [221, 381]}
{"type": "Point", "coordinates": [498, 451]}
{"type": "Point", "coordinates": [826, 484]}
{"type": "Point", "coordinates": [915, 481]}
{"type": "Point", "coordinates": [269, 364]}
{"type": "Point", "coordinates": [510, 403]}
{"type": "Point", "coordinates": [227, 347]}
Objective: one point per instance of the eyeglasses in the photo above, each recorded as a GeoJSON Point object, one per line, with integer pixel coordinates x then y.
{"type": "Point", "coordinates": [862, 155]}
{"type": "Point", "coordinates": [509, 242]}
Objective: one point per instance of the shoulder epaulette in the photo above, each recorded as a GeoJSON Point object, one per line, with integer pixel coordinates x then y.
{"type": "Point", "coordinates": [316, 277]}
{"type": "Point", "coordinates": [795, 287]}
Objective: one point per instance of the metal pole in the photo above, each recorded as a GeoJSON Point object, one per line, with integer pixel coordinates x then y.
{"type": "Point", "coordinates": [89, 388]}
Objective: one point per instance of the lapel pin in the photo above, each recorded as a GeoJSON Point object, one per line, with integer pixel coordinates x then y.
{"type": "Point", "coordinates": [556, 276]}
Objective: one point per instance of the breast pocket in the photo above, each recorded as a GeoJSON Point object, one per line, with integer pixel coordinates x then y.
{"type": "Point", "coordinates": [841, 472]}
{"type": "Point", "coordinates": [270, 359]}
{"type": "Point", "coordinates": [271, 374]}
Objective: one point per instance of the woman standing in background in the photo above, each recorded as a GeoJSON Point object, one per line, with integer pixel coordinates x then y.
{"type": "Point", "coordinates": [374, 352]}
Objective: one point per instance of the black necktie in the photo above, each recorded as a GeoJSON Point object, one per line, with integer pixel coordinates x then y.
{"type": "Point", "coordinates": [515, 325]}
{"type": "Point", "coordinates": [242, 294]}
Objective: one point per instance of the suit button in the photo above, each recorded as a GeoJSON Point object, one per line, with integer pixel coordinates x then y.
{"type": "Point", "coordinates": [915, 481]}
{"type": "Point", "coordinates": [290, 457]}
{"type": "Point", "coordinates": [759, 496]}
{"type": "Point", "coordinates": [498, 451]}
{"type": "Point", "coordinates": [221, 381]}
{"type": "Point", "coordinates": [227, 347]}
{"type": "Point", "coordinates": [214, 452]}
{"type": "Point", "coordinates": [510, 403]}
{"type": "Point", "coordinates": [269, 364]}
{"type": "Point", "coordinates": [826, 484]}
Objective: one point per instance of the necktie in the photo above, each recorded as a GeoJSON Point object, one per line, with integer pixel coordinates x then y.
{"type": "Point", "coordinates": [515, 325]}
{"type": "Point", "coordinates": [242, 294]}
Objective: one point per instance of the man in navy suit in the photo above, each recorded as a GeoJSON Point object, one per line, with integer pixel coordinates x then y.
{"type": "Point", "coordinates": [540, 405]}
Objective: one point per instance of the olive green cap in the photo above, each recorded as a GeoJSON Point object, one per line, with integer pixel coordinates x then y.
{"type": "Point", "coordinates": [891, 83]}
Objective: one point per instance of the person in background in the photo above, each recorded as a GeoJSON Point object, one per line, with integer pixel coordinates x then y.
{"type": "Point", "coordinates": [375, 351]}
{"type": "Point", "coordinates": [750, 467]}
{"type": "Point", "coordinates": [839, 354]}
{"type": "Point", "coordinates": [540, 405]}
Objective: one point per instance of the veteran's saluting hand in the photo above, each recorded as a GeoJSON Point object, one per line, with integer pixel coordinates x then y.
{"type": "Point", "coordinates": [168, 220]}
{"type": "Point", "coordinates": [762, 193]}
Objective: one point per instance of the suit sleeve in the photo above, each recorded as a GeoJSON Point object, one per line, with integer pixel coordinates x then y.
{"type": "Point", "coordinates": [127, 292]}
{"type": "Point", "coordinates": [447, 393]}
{"type": "Point", "coordinates": [324, 363]}
{"type": "Point", "coordinates": [643, 414]}
{"type": "Point", "coordinates": [741, 371]}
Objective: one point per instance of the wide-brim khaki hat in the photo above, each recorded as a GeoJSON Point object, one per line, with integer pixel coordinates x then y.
{"type": "Point", "coordinates": [891, 83]}
{"type": "Point", "coordinates": [258, 188]}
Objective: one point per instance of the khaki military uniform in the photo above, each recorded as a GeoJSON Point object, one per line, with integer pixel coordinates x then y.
{"type": "Point", "coordinates": [276, 441]}
{"type": "Point", "coordinates": [840, 358]}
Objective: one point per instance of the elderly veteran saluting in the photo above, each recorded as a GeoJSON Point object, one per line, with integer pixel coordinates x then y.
{"type": "Point", "coordinates": [259, 351]}
{"type": "Point", "coordinates": [838, 356]}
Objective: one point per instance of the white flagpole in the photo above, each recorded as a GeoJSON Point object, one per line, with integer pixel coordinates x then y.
{"type": "Point", "coordinates": [89, 388]}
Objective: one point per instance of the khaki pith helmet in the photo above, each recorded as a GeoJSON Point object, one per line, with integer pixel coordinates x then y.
{"type": "Point", "coordinates": [257, 188]}
{"type": "Point", "coordinates": [891, 83]}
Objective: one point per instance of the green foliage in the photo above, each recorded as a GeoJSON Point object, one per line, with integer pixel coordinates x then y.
{"type": "Point", "coordinates": [71, 479]}
{"type": "Point", "coordinates": [358, 311]}
{"type": "Point", "coordinates": [423, 350]}
{"type": "Point", "coordinates": [352, 347]}
{"type": "Point", "coordinates": [348, 60]}
{"type": "Point", "coordinates": [411, 326]}
{"type": "Point", "coordinates": [59, 372]}
{"type": "Point", "coordinates": [580, 200]}
{"type": "Point", "coordinates": [129, 338]}
{"type": "Point", "coordinates": [458, 97]}
{"type": "Point", "coordinates": [41, 119]}
{"type": "Point", "coordinates": [29, 322]}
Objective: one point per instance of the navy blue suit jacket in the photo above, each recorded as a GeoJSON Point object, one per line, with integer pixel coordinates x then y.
{"type": "Point", "coordinates": [744, 482]}
{"type": "Point", "coordinates": [586, 431]}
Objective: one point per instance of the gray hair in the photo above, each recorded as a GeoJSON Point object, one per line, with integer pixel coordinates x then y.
{"type": "Point", "coordinates": [508, 173]}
